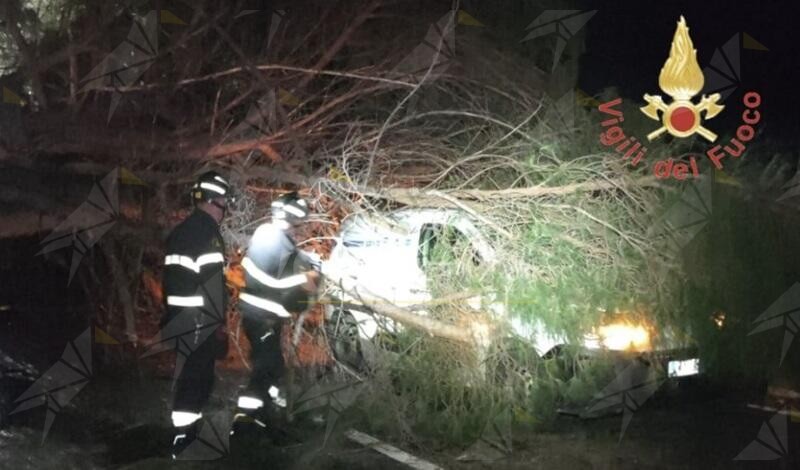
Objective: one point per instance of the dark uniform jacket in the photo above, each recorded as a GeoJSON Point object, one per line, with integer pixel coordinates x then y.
{"type": "Point", "coordinates": [194, 280]}
{"type": "Point", "coordinates": [275, 274]}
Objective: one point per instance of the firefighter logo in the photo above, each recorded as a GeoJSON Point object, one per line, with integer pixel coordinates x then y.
{"type": "Point", "coordinates": [681, 78]}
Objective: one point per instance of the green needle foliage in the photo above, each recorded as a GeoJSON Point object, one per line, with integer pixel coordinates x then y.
{"type": "Point", "coordinates": [574, 260]}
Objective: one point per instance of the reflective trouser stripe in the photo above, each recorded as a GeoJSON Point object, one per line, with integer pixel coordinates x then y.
{"type": "Point", "coordinates": [184, 418]}
{"type": "Point", "coordinates": [249, 403]}
{"type": "Point", "coordinates": [274, 393]}
{"type": "Point", "coordinates": [190, 301]}
{"type": "Point", "coordinates": [264, 304]}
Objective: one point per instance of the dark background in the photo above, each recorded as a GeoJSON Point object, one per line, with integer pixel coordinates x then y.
{"type": "Point", "coordinates": [628, 41]}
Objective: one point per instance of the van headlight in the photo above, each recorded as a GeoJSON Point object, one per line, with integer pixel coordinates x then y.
{"type": "Point", "coordinates": [624, 337]}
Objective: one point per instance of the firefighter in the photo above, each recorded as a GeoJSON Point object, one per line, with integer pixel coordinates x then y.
{"type": "Point", "coordinates": [280, 281]}
{"type": "Point", "coordinates": [196, 302]}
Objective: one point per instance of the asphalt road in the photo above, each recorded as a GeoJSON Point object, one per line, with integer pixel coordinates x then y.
{"type": "Point", "coordinates": [114, 424]}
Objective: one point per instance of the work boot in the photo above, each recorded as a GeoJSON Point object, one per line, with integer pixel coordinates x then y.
{"type": "Point", "coordinates": [185, 424]}
{"type": "Point", "coordinates": [244, 421]}
{"type": "Point", "coordinates": [249, 423]}
{"type": "Point", "coordinates": [248, 432]}
{"type": "Point", "coordinates": [183, 438]}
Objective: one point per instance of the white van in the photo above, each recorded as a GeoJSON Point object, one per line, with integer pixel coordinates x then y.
{"type": "Point", "coordinates": [388, 255]}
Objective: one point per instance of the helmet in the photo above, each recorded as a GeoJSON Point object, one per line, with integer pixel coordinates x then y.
{"type": "Point", "coordinates": [290, 207]}
{"type": "Point", "coordinates": [209, 186]}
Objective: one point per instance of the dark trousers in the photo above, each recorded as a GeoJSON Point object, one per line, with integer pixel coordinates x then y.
{"type": "Point", "coordinates": [196, 378]}
{"type": "Point", "coordinates": [266, 359]}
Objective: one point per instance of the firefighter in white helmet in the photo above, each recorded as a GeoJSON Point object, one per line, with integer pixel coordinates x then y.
{"type": "Point", "coordinates": [280, 282]}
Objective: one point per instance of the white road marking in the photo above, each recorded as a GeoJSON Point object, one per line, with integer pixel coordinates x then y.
{"type": "Point", "coordinates": [390, 451]}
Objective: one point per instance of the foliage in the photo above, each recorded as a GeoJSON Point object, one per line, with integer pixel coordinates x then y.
{"type": "Point", "coordinates": [306, 95]}
{"type": "Point", "coordinates": [571, 262]}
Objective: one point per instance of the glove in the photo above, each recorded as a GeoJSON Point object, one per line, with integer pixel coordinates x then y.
{"type": "Point", "coordinates": [234, 277]}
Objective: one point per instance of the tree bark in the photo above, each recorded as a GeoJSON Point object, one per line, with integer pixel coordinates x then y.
{"type": "Point", "coordinates": [408, 318]}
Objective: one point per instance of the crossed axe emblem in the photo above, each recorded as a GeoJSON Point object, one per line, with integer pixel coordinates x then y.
{"type": "Point", "coordinates": [682, 117]}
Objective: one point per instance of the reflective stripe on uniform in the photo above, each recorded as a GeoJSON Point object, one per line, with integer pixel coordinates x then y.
{"type": "Point", "coordinates": [213, 187]}
{"type": "Point", "coordinates": [190, 301]}
{"type": "Point", "coordinates": [264, 304]}
{"type": "Point", "coordinates": [184, 261]}
{"type": "Point", "coordinates": [249, 403]}
{"type": "Point", "coordinates": [274, 393]}
{"type": "Point", "coordinates": [269, 281]}
{"type": "Point", "coordinates": [209, 258]}
{"type": "Point", "coordinates": [184, 418]}
{"type": "Point", "coordinates": [192, 265]}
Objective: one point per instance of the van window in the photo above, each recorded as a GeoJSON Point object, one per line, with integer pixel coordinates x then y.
{"type": "Point", "coordinates": [444, 244]}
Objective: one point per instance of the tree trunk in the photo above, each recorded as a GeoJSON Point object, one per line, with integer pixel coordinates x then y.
{"type": "Point", "coordinates": [474, 333]}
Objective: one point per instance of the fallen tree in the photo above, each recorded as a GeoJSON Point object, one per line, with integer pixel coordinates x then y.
{"type": "Point", "coordinates": [281, 102]}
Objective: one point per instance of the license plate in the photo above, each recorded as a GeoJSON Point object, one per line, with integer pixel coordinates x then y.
{"type": "Point", "coordinates": [683, 368]}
